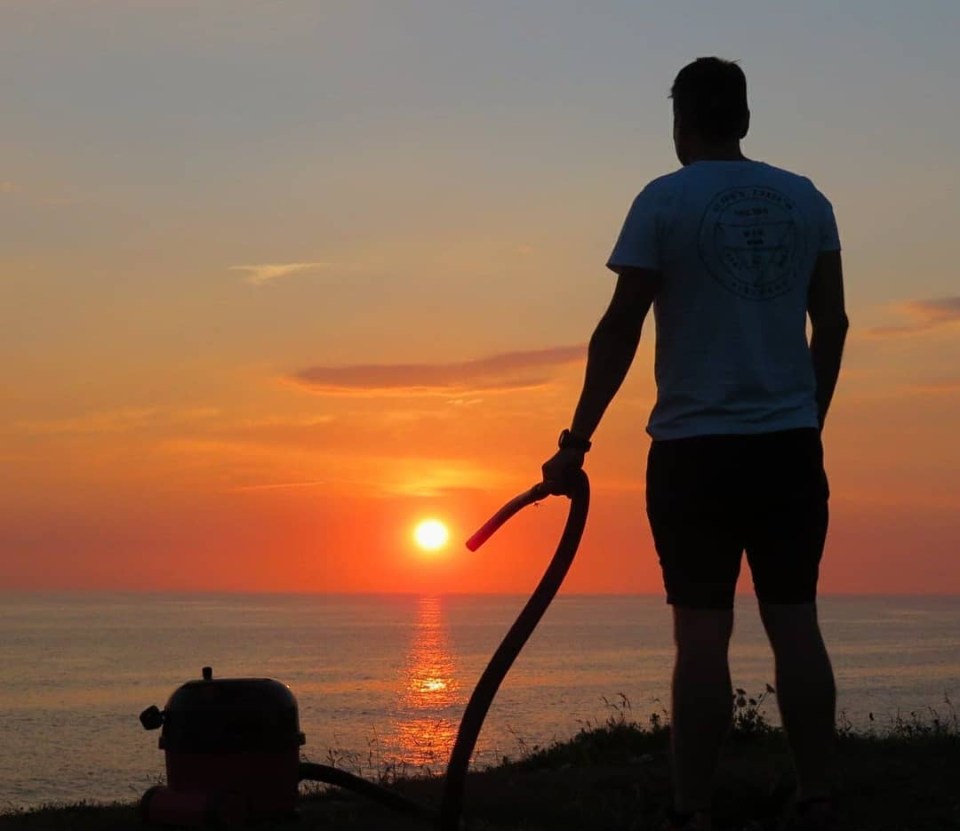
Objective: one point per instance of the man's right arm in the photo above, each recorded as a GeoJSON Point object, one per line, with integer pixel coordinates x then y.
{"type": "Point", "coordinates": [829, 324]}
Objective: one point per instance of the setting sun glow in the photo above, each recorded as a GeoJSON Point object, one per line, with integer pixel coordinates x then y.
{"type": "Point", "coordinates": [431, 535]}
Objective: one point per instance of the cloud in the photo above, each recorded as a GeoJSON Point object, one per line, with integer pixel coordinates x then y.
{"type": "Point", "coordinates": [257, 275]}
{"type": "Point", "coordinates": [935, 388]}
{"type": "Point", "coordinates": [122, 420]}
{"type": "Point", "coordinates": [272, 486]}
{"type": "Point", "coordinates": [284, 422]}
{"type": "Point", "coordinates": [105, 421]}
{"type": "Point", "coordinates": [508, 371]}
{"type": "Point", "coordinates": [392, 477]}
{"type": "Point", "coordinates": [56, 198]}
{"type": "Point", "coordinates": [922, 316]}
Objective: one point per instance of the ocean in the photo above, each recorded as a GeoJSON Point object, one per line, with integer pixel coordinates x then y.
{"type": "Point", "coordinates": [382, 680]}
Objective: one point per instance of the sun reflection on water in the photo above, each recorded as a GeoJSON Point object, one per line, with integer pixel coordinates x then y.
{"type": "Point", "coordinates": [428, 712]}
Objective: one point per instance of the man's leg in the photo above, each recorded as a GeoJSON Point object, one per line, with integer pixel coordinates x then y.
{"type": "Point", "coordinates": [806, 693]}
{"type": "Point", "coordinates": [693, 488]}
{"type": "Point", "coordinates": [702, 703]}
{"type": "Point", "coordinates": [784, 547]}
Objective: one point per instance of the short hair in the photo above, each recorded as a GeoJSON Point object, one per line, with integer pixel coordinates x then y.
{"type": "Point", "coordinates": [710, 96]}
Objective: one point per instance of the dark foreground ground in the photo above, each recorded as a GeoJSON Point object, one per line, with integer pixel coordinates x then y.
{"type": "Point", "coordinates": [614, 777]}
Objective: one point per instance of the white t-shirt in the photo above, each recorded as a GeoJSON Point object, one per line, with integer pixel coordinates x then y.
{"type": "Point", "coordinates": [735, 243]}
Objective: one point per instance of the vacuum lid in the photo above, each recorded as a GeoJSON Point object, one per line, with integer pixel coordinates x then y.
{"type": "Point", "coordinates": [227, 715]}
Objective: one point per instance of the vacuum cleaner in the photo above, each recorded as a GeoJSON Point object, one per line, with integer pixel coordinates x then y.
{"type": "Point", "coordinates": [232, 745]}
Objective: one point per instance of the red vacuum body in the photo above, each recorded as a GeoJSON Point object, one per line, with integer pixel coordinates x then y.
{"type": "Point", "coordinates": [232, 749]}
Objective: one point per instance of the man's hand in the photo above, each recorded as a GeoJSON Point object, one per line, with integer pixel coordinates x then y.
{"type": "Point", "coordinates": [559, 469]}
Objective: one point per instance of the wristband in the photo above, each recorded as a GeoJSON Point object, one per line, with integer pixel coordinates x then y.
{"type": "Point", "coordinates": [571, 441]}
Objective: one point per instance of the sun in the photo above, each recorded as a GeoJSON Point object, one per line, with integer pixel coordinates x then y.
{"type": "Point", "coordinates": [431, 534]}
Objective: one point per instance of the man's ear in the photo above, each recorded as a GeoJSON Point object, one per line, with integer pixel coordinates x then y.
{"type": "Point", "coordinates": [745, 125]}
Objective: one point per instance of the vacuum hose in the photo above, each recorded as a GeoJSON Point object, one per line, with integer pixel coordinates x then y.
{"type": "Point", "coordinates": [577, 488]}
{"type": "Point", "coordinates": [371, 790]}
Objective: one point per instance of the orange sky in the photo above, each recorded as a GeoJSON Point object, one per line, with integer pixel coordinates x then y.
{"type": "Point", "coordinates": [324, 496]}
{"type": "Point", "coordinates": [273, 288]}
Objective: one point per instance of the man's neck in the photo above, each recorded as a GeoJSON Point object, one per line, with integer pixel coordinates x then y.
{"type": "Point", "coordinates": [721, 152]}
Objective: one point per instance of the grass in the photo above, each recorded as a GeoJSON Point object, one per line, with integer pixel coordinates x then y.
{"type": "Point", "coordinates": [900, 775]}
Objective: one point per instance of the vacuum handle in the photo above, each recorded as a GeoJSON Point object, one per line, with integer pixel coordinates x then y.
{"type": "Point", "coordinates": [536, 494]}
{"type": "Point", "coordinates": [152, 718]}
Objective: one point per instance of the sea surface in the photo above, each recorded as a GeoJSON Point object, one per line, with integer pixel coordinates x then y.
{"type": "Point", "coordinates": [383, 680]}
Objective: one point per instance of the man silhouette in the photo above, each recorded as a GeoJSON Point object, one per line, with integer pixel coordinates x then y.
{"type": "Point", "coordinates": [734, 255]}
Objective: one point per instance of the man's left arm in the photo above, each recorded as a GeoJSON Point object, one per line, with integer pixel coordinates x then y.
{"type": "Point", "coordinates": [613, 346]}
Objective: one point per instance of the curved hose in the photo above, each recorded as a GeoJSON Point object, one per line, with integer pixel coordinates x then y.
{"type": "Point", "coordinates": [578, 489]}
{"type": "Point", "coordinates": [335, 776]}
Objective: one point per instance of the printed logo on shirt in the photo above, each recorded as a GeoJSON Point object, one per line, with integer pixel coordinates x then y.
{"type": "Point", "coordinates": [749, 241]}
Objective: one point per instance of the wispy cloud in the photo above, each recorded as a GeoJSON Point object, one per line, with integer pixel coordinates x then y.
{"type": "Point", "coordinates": [507, 371]}
{"type": "Point", "coordinates": [285, 422]}
{"type": "Point", "coordinates": [392, 477]}
{"type": "Point", "coordinates": [60, 196]}
{"type": "Point", "coordinates": [106, 421]}
{"type": "Point", "coordinates": [257, 275]}
{"type": "Point", "coordinates": [921, 316]}
{"type": "Point", "coordinates": [935, 388]}
{"type": "Point", "coordinates": [272, 486]}
{"type": "Point", "coordinates": [122, 420]}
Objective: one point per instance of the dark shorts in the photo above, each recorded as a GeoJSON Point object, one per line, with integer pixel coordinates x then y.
{"type": "Point", "coordinates": [710, 498]}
